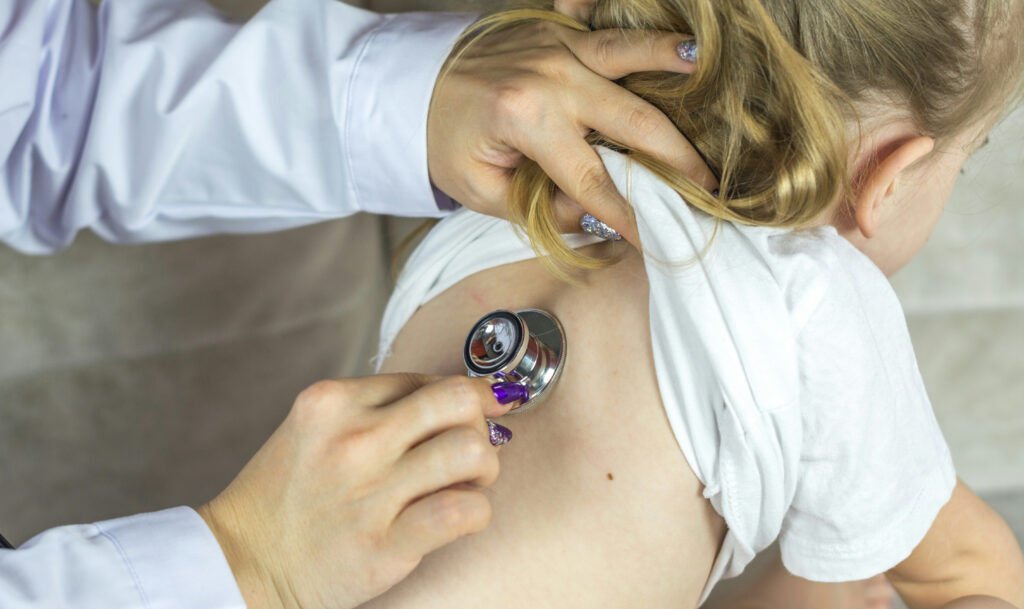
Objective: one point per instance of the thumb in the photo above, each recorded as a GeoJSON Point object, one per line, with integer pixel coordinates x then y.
{"type": "Point", "coordinates": [497, 409]}
{"type": "Point", "coordinates": [568, 214]}
{"type": "Point", "coordinates": [379, 389]}
{"type": "Point", "coordinates": [400, 385]}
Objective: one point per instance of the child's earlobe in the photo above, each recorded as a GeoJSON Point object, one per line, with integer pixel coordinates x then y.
{"type": "Point", "coordinates": [881, 182]}
{"type": "Point", "coordinates": [867, 210]}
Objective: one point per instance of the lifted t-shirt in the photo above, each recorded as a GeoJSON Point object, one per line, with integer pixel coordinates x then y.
{"type": "Point", "coordinates": [786, 371]}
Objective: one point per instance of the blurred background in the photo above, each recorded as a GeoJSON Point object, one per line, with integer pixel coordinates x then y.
{"type": "Point", "coordinates": [143, 377]}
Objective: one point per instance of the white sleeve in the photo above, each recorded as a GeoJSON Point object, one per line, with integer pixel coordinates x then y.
{"type": "Point", "coordinates": [148, 120]}
{"type": "Point", "coordinates": [874, 468]}
{"type": "Point", "coordinates": [163, 560]}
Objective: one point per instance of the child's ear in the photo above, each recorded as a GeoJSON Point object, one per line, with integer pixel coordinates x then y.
{"type": "Point", "coordinates": [881, 181]}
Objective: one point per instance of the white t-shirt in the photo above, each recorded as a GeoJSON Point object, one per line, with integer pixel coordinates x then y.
{"type": "Point", "coordinates": [786, 372]}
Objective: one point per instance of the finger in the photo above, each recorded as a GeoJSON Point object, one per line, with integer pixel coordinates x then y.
{"type": "Point", "coordinates": [326, 403]}
{"type": "Point", "coordinates": [579, 10]}
{"type": "Point", "coordinates": [445, 404]}
{"type": "Point", "coordinates": [617, 53]}
{"type": "Point", "coordinates": [629, 120]}
{"type": "Point", "coordinates": [577, 169]}
{"type": "Point", "coordinates": [459, 455]}
{"type": "Point", "coordinates": [369, 391]}
{"type": "Point", "coordinates": [439, 519]}
{"type": "Point", "coordinates": [483, 187]}
{"type": "Point", "coordinates": [569, 214]}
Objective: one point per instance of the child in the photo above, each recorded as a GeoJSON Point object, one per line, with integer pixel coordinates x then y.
{"type": "Point", "coordinates": [756, 322]}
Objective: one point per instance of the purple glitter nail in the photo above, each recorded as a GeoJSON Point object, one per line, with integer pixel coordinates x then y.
{"type": "Point", "coordinates": [500, 435]}
{"type": "Point", "coordinates": [506, 393]}
{"type": "Point", "coordinates": [687, 50]}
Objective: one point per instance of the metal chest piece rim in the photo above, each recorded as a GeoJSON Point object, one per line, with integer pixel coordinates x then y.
{"type": "Point", "coordinates": [527, 347]}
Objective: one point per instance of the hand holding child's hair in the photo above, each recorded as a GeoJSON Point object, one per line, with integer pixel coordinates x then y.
{"type": "Point", "coordinates": [535, 91]}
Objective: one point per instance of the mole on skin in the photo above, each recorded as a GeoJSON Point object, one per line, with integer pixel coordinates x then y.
{"type": "Point", "coordinates": [610, 476]}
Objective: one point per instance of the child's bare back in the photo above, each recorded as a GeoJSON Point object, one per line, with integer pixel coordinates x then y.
{"type": "Point", "coordinates": [595, 505]}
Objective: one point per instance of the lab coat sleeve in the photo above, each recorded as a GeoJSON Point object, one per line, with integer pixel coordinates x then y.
{"type": "Point", "coordinates": [149, 120]}
{"type": "Point", "coordinates": [162, 560]}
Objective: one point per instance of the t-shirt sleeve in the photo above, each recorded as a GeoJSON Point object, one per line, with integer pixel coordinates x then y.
{"type": "Point", "coordinates": [874, 467]}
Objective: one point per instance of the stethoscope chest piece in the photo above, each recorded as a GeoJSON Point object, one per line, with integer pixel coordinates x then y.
{"type": "Point", "coordinates": [526, 347]}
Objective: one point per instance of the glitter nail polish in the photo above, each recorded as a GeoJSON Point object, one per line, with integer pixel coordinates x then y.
{"type": "Point", "coordinates": [595, 227]}
{"type": "Point", "coordinates": [500, 435]}
{"type": "Point", "coordinates": [687, 50]}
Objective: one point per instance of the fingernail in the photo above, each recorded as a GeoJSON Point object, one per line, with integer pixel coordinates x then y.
{"type": "Point", "coordinates": [506, 393]}
{"type": "Point", "coordinates": [500, 435]}
{"type": "Point", "coordinates": [687, 50]}
{"type": "Point", "coordinates": [595, 227]}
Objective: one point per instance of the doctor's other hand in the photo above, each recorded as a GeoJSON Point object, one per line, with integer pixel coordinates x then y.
{"type": "Point", "coordinates": [536, 90]}
{"type": "Point", "coordinates": [362, 479]}
{"type": "Point", "coordinates": [580, 10]}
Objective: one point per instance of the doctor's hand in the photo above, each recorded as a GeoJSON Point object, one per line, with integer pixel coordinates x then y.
{"type": "Point", "coordinates": [362, 479]}
{"type": "Point", "coordinates": [536, 90]}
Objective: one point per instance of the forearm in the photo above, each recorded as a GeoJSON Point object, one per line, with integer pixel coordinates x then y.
{"type": "Point", "coordinates": [970, 558]}
{"type": "Point", "coordinates": [150, 120]}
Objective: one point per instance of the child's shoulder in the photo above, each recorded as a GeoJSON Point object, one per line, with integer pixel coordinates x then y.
{"type": "Point", "coordinates": [874, 467]}
{"type": "Point", "coordinates": [825, 279]}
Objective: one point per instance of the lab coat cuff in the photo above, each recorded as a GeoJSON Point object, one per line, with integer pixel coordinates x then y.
{"type": "Point", "coordinates": [174, 559]}
{"type": "Point", "coordinates": [390, 91]}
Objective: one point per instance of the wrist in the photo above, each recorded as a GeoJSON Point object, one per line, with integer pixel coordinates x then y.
{"type": "Point", "coordinates": [254, 580]}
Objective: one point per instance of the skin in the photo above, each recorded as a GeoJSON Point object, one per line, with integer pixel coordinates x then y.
{"type": "Point", "coordinates": [579, 9]}
{"type": "Point", "coordinates": [553, 544]}
{"type": "Point", "coordinates": [906, 181]}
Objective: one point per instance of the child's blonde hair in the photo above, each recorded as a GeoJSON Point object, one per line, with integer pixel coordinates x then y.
{"type": "Point", "coordinates": [778, 84]}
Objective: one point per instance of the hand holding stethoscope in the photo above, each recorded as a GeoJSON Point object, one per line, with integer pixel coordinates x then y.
{"type": "Point", "coordinates": [398, 459]}
{"type": "Point", "coordinates": [371, 473]}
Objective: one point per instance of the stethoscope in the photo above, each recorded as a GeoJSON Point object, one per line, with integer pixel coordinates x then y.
{"type": "Point", "coordinates": [526, 347]}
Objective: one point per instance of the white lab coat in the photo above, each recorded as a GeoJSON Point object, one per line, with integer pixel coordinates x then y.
{"type": "Point", "coordinates": [150, 120]}
{"type": "Point", "coordinates": [147, 120]}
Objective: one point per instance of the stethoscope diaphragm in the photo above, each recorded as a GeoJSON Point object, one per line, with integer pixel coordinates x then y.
{"type": "Point", "coordinates": [526, 347]}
